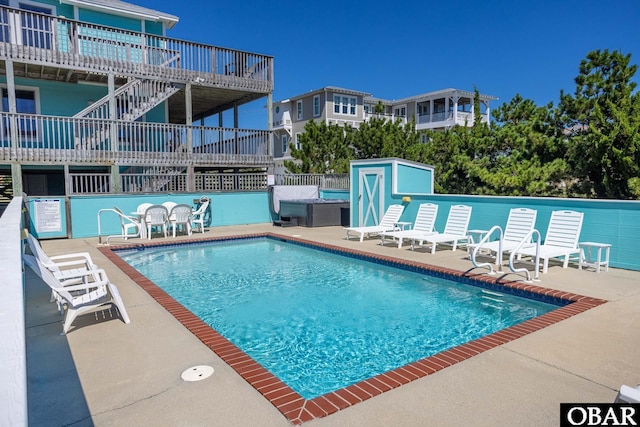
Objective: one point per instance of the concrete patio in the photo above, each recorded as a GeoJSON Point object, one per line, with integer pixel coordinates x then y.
{"type": "Point", "coordinates": [106, 373]}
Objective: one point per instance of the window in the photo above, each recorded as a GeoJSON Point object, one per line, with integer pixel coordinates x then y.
{"type": "Point", "coordinates": [299, 109]}
{"type": "Point", "coordinates": [284, 144]}
{"type": "Point", "coordinates": [36, 29]}
{"type": "Point", "coordinates": [344, 105]}
{"type": "Point", "coordinates": [298, 145]}
{"type": "Point", "coordinates": [400, 111]}
{"type": "Point", "coordinates": [26, 103]}
{"type": "Point", "coordinates": [316, 105]}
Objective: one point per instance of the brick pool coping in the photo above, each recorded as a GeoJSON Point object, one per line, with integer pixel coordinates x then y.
{"type": "Point", "coordinates": [299, 410]}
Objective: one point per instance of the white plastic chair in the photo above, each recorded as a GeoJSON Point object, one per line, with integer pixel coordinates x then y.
{"type": "Point", "coordinates": [80, 298]}
{"type": "Point", "coordinates": [142, 208]}
{"type": "Point", "coordinates": [198, 215]}
{"type": "Point", "coordinates": [180, 215]}
{"type": "Point", "coordinates": [455, 229]}
{"type": "Point", "coordinates": [59, 265]}
{"type": "Point", "coordinates": [141, 211]}
{"type": "Point", "coordinates": [387, 223]}
{"type": "Point", "coordinates": [520, 223]}
{"type": "Point", "coordinates": [628, 394]}
{"type": "Point", "coordinates": [128, 222]}
{"type": "Point", "coordinates": [561, 239]}
{"type": "Point", "coordinates": [424, 223]}
{"type": "Point", "coordinates": [169, 206]}
{"type": "Point", "coordinates": [156, 216]}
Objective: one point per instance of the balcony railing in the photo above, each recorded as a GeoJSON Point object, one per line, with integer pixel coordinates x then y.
{"type": "Point", "coordinates": [49, 40]}
{"type": "Point", "coordinates": [53, 139]}
{"type": "Point", "coordinates": [167, 179]}
{"type": "Point", "coordinates": [324, 181]}
{"type": "Point", "coordinates": [460, 117]}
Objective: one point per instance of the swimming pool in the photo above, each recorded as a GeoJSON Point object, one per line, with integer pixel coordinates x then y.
{"type": "Point", "coordinates": [320, 321]}
{"type": "Point", "coordinates": [294, 407]}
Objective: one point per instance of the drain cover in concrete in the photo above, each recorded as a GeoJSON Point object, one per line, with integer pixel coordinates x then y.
{"type": "Point", "coordinates": [197, 373]}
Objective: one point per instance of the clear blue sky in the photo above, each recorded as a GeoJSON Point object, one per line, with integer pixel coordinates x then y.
{"type": "Point", "coordinates": [403, 48]}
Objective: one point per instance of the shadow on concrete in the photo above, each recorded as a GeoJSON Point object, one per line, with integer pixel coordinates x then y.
{"type": "Point", "coordinates": [54, 391]}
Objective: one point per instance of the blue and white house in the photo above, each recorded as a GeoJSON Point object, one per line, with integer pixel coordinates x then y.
{"type": "Point", "coordinates": [97, 99]}
{"type": "Point", "coordinates": [437, 110]}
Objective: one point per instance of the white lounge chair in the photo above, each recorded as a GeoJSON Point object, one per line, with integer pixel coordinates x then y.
{"type": "Point", "coordinates": [387, 223]}
{"type": "Point", "coordinates": [628, 394]}
{"type": "Point", "coordinates": [424, 223]}
{"type": "Point", "coordinates": [198, 216]}
{"type": "Point", "coordinates": [180, 215]}
{"type": "Point", "coordinates": [455, 229]}
{"type": "Point", "coordinates": [80, 298]}
{"type": "Point", "coordinates": [561, 239]}
{"type": "Point", "coordinates": [68, 268]}
{"type": "Point", "coordinates": [520, 224]}
{"type": "Point", "coordinates": [156, 216]}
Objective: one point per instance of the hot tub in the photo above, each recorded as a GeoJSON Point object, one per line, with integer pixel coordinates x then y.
{"type": "Point", "coordinates": [316, 212]}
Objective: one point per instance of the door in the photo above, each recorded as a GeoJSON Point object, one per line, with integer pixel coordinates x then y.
{"type": "Point", "coordinates": [370, 196]}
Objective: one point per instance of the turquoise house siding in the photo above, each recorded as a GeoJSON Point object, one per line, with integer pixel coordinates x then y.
{"type": "Point", "coordinates": [154, 28]}
{"type": "Point", "coordinates": [99, 18]}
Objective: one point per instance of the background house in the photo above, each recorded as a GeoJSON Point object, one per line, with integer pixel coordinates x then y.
{"type": "Point", "coordinates": [437, 110]}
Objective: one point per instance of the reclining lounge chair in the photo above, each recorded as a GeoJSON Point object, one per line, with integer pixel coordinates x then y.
{"type": "Point", "coordinates": [561, 239]}
{"type": "Point", "coordinates": [425, 220]}
{"type": "Point", "coordinates": [81, 298]}
{"type": "Point", "coordinates": [387, 223]}
{"type": "Point", "coordinates": [455, 229]}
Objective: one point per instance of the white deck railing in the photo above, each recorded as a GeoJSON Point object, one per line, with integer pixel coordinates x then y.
{"type": "Point", "coordinates": [171, 179]}
{"type": "Point", "coordinates": [324, 181]}
{"type": "Point", "coordinates": [13, 368]}
{"type": "Point", "coordinates": [53, 139]}
{"type": "Point", "coordinates": [50, 40]}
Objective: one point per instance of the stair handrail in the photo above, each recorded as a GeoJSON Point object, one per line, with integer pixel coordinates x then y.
{"type": "Point", "coordinates": [477, 248]}
{"type": "Point", "coordinates": [105, 99]}
{"type": "Point", "coordinates": [527, 241]}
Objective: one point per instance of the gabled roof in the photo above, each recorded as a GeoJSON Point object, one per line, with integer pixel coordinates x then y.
{"type": "Point", "coordinates": [118, 7]}
{"type": "Point", "coordinates": [327, 89]}
{"type": "Point", "coordinates": [440, 93]}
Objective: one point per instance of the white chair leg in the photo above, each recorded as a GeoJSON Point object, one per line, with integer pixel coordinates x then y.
{"type": "Point", "coordinates": [118, 302]}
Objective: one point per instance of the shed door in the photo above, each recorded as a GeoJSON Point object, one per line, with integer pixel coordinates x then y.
{"type": "Point", "coordinates": [370, 196]}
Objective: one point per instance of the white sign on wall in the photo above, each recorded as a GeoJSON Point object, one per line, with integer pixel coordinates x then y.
{"type": "Point", "coordinates": [48, 215]}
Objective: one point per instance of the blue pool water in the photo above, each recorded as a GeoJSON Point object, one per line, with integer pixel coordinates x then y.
{"type": "Point", "coordinates": [320, 321]}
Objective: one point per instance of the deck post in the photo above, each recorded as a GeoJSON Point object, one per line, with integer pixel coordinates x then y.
{"type": "Point", "coordinates": [113, 130]}
{"type": "Point", "coordinates": [188, 117]}
{"type": "Point", "coordinates": [16, 179]}
{"type": "Point", "coordinates": [191, 176]}
{"type": "Point", "coordinates": [270, 141]}
{"type": "Point", "coordinates": [115, 179]}
{"type": "Point", "coordinates": [13, 125]}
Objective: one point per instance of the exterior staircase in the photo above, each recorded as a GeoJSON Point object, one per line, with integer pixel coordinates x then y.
{"type": "Point", "coordinates": [155, 179]}
{"type": "Point", "coordinates": [133, 100]}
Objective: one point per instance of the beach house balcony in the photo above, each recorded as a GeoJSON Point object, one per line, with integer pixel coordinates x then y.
{"type": "Point", "coordinates": [141, 71]}
{"type": "Point", "coordinates": [449, 107]}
